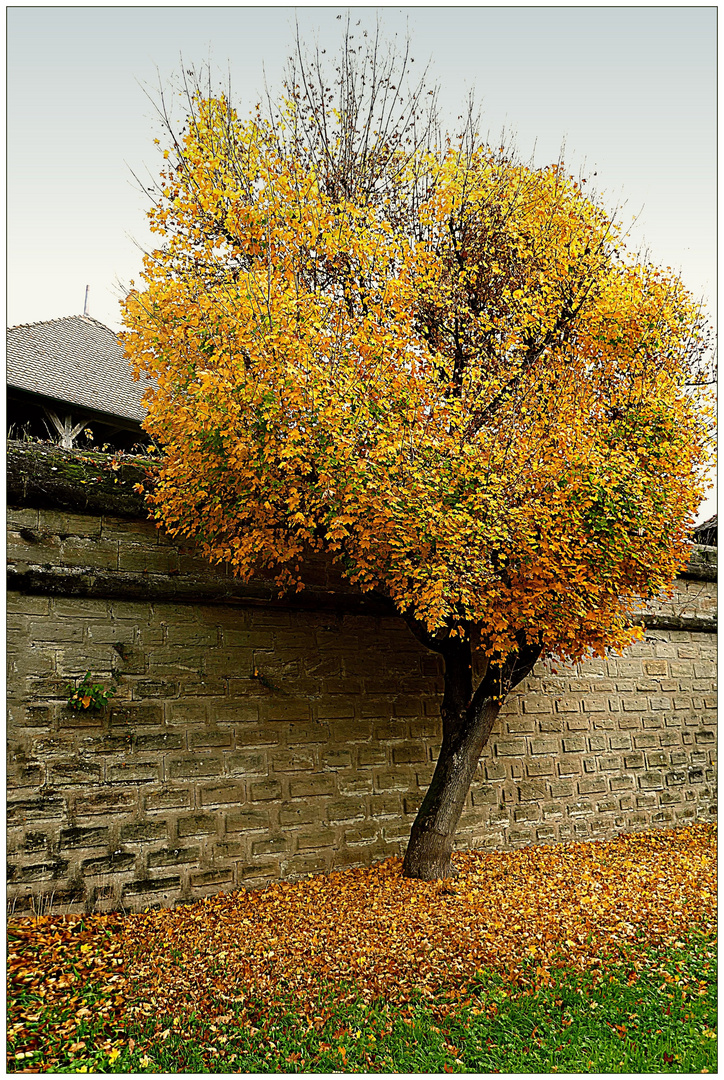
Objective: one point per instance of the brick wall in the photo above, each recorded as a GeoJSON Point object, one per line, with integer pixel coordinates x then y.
{"type": "Point", "coordinates": [249, 742]}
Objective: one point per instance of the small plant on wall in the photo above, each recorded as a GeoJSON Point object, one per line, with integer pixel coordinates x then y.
{"type": "Point", "coordinates": [88, 695]}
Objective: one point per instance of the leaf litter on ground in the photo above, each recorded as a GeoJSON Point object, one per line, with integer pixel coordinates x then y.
{"type": "Point", "coordinates": [526, 915]}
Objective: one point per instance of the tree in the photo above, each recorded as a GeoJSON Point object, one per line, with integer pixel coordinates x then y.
{"type": "Point", "coordinates": [431, 361]}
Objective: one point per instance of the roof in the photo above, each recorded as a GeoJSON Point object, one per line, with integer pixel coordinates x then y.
{"type": "Point", "coordinates": [77, 360]}
{"type": "Point", "coordinates": [706, 533]}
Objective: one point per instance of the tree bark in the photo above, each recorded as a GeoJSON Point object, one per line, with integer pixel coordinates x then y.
{"type": "Point", "coordinates": [467, 722]}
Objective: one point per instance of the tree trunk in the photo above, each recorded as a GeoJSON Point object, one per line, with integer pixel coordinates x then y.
{"type": "Point", "coordinates": [431, 841]}
{"type": "Point", "coordinates": [467, 722]}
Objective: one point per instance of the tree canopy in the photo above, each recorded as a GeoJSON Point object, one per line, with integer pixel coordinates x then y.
{"type": "Point", "coordinates": [453, 379]}
{"type": "Point", "coordinates": [425, 357]}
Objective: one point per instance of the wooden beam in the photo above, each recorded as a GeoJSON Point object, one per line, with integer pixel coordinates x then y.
{"type": "Point", "coordinates": [67, 431]}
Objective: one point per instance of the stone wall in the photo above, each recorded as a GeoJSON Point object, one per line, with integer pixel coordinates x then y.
{"type": "Point", "coordinates": [251, 740]}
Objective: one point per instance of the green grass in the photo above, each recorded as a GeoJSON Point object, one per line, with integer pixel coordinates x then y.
{"type": "Point", "coordinates": [657, 1017]}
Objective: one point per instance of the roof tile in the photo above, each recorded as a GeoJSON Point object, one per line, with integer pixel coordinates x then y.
{"type": "Point", "coordinates": [77, 360]}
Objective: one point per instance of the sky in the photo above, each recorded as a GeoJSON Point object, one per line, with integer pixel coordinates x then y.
{"type": "Point", "coordinates": [630, 92]}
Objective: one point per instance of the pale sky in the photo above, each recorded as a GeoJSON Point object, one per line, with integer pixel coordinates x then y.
{"type": "Point", "coordinates": [631, 91]}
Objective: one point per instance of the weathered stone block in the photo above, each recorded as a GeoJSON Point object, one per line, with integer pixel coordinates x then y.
{"type": "Point", "coordinates": [540, 767]}
{"type": "Point", "coordinates": [302, 865]}
{"type": "Point", "coordinates": [549, 725]}
{"type": "Point", "coordinates": [495, 770]}
{"type": "Point", "coordinates": [162, 741]}
{"type": "Point", "coordinates": [561, 789]}
{"type": "Point", "coordinates": [178, 856]}
{"type": "Point", "coordinates": [337, 759]}
{"type": "Point", "coordinates": [224, 793]}
{"type": "Point", "coordinates": [632, 703]}
{"type": "Point", "coordinates": [236, 710]}
{"type": "Point", "coordinates": [294, 814]}
{"type": "Point", "coordinates": [531, 790]}
{"type": "Point", "coordinates": [74, 773]}
{"type": "Point", "coordinates": [309, 839]}
{"type": "Point", "coordinates": [134, 716]}
{"type": "Point", "coordinates": [212, 880]}
{"type": "Point", "coordinates": [79, 837]}
{"type": "Point", "coordinates": [592, 785]}
{"type": "Point", "coordinates": [116, 862]}
{"type": "Point", "coordinates": [265, 790]}
{"type": "Point", "coordinates": [350, 784]}
{"type": "Point", "coordinates": [301, 734]}
{"type": "Point", "coordinates": [105, 801]}
{"type": "Point", "coordinates": [634, 760]}
{"type": "Point", "coordinates": [362, 835]}
{"type": "Point", "coordinates": [427, 728]}
{"type": "Point", "coordinates": [247, 821]}
{"type": "Point", "coordinates": [543, 746]}
{"type": "Point", "coordinates": [608, 763]}
{"type": "Point", "coordinates": [137, 832]}
{"type": "Point", "coordinates": [192, 635]}
{"type": "Point", "coordinates": [409, 754]}
{"type": "Point", "coordinates": [343, 810]}
{"type": "Point", "coordinates": [537, 703]}
{"type": "Point", "coordinates": [578, 722]}
{"type": "Point", "coordinates": [520, 725]}
{"type": "Point", "coordinates": [155, 688]}
{"type": "Point", "coordinates": [300, 759]}
{"type": "Point", "coordinates": [595, 703]}
{"type": "Point", "coordinates": [246, 763]}
{"type": "Point", "coordinates": [399, 780]}
{"type": "Point", "coordinates": [132, 772]}
{"type": "Point", "coordinates": [275, 845]}
{"type": "Point", "coordinates": [510, 747]}
{"type": "Point", "coordinates": [384, 806]}
{"type": "Point", "coordinates": [651, 781]}
{"type": "Point", "coordinates": [195, 767]}
{"type": "Point", "coordinates": [208, 739]}
{"type": "Point", "coordinates": [24, 774]}
{"type": "Point", "coordinates": [176, 798]}
{"type": "Point", "coordinates": [656, 758]}
{"type": "Point", "coordinates": [285, 709]}
{"type": "Point", "coordinates": [151, 887]}
{"type": "Point", "coordinates": [50, 870]}
{"type": "Point", "coordinates": [196, 825]}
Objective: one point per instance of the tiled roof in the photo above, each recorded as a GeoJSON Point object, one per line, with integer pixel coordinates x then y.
{"type": "Point", "coordinates": [76, 360]}
{"type": "Point", "coordinates": [706, 533]}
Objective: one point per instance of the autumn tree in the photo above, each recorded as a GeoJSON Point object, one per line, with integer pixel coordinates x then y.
{"type": "Point", "coordinates": [427, 359]}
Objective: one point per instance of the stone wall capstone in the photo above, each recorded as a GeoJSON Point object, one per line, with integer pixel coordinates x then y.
{"type": "Point", "coordinates": [252, 739]}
